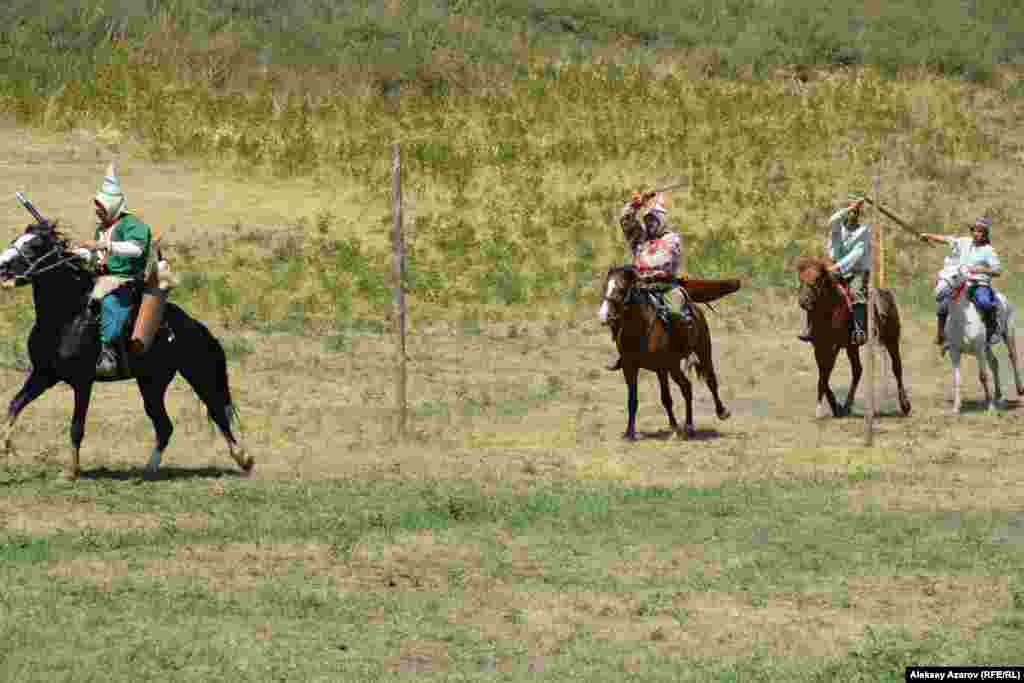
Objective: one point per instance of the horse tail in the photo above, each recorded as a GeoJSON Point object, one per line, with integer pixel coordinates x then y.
{"type": "Point", "coordinates": [703, 365]}
{"type": "Point", "coordinates": [887, 316]}
{"type": "Point", "coordinates": [230, 409]}
{"type": "Point", "coordinates": [204, 366]}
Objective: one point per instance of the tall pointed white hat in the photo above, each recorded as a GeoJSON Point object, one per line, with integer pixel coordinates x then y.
{"type": "Point", "coordinates": [110, 196]}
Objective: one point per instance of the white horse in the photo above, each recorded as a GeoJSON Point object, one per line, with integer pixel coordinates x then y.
{"type": "Point", "coordinates": [966, 333]}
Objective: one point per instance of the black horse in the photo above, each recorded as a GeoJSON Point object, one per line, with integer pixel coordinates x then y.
{"type": "Point", "coordinates": [64, 345]}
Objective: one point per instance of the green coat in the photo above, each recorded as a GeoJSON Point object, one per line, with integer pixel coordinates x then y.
{"type": "Point", "coordinates": [129, 229]}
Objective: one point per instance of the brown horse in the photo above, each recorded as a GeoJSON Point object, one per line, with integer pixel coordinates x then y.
{"type": "Point", "coordinates": [822, 296]}
{"type": "Point", "coordinates": [644, 341]}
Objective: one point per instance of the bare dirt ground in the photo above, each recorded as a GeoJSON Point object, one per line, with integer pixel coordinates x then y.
{"type": "Point", "coordinates": [516, 402]}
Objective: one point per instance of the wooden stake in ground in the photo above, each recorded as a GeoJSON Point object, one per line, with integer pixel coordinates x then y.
{"type": "Point", "coordinates": [398, 268]}
{"type": "Point", "coordinates": [869, 408]}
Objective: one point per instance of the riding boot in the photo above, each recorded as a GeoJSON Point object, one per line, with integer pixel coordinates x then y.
{"type": "Point", "coordinates": [940, 329]}
{"type": "Point", "coordinates": [858, 337]}
{"type": "Point", "coordinates": [106, 365]}
{"type": "Point", "coordinates": [805, 336]}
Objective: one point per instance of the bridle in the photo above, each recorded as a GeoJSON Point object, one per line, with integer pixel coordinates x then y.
{"type": "Point", "coordinates": [824, 279]}
{"type": "Point", "coordinates": [33, 265]}
{"type": "Point", "coordinates": [627, 298]}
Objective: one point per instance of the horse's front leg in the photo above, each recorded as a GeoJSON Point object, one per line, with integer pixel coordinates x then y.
{"type": "Point", "coordinates": [687, 388]}
{"type": "Point", "coordinates": [856, 369]}
{"type": "Point", "coordinates": [632, 400]}
{"type": "Point", "coordinates": [826, 358]}
{"type": "Point", "coordinates": [83, 392]}
{"type": "Point", "coordinates": [666, 399]}
{"type": "Point", "coordinates": [33, 388]}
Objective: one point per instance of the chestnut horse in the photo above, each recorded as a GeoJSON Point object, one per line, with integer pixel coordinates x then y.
{"type": "Point", "coordinates": [645, 342]}
{"type": "Point", "coordinates": [822, 296]}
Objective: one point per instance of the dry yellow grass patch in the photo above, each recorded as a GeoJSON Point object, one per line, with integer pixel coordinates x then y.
{"type": "Point", "coordinates": [730, 624]}
{"type": "Point", "coordinates": [946, 494]}
{"type": "Point", "coordinates": [420, 657]}
{"type": "Point", "coordinates": [102, 572]}
{"type": "Point", "coordinates": [42, 515]}
{"type": "Point", "coordinates": [415, 562]}
{"type": "Point", "coordinates": [648, 560]}
{"type": "Point", "coordinates": [921, 602]}
{"type": "Point", "coordinates": [239, 566]}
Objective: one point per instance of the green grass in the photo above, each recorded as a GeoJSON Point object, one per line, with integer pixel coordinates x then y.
{"type": "Point", "coordinates": [433, 47]}
{"type": "Point", "coordinates": [766, 538]}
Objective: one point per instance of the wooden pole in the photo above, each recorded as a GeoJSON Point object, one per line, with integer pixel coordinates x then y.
{"type": "Point", "coordinates": [869, 408]}
{"type": "Point", "coordinates": [881, 254]}
{"type": "Point", "coordinates": [398, 269]}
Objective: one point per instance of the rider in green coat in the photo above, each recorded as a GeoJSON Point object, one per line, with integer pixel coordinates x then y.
{"type": "Point", "coordinates": [122, 244]}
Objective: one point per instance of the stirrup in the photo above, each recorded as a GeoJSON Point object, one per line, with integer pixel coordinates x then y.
{"type": "Point", "coordinates": [858, 337]}
{"type": "Point", "coordinates": [108, 365]}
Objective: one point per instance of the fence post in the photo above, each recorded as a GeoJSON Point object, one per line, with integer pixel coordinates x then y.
{"type": "Point", "coordinates": [872, 333]}
{"type": "Point", "coordinates": [398, 269]}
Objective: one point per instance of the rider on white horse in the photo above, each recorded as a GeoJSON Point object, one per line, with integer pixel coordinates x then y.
{"type": "Point", "coordinates": [979, 258]}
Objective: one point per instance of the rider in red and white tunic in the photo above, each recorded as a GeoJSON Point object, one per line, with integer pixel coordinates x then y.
{"type": "Point", "coordinates": [657, 250]}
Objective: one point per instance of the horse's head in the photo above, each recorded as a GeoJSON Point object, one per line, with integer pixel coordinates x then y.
{"type": "Point", "coordinates": [814, 276]}
{"type": "Point", "coordinates": [617, 284]}
{"type": "Point", "coordinates": [33, 252]}
{"type": "Point", "coordinates": [950, 279]}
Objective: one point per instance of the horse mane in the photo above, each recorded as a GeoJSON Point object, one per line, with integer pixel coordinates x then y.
{"type": "Point", "coordinates": [50, 228]}
{"type": "Point", "coordinates": [807, 262]}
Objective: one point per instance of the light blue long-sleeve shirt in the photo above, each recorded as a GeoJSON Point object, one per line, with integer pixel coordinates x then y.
{"type": "Point", "coordinates": [850, 247]}
{"type": "Point", "coordinates": [970, 254]}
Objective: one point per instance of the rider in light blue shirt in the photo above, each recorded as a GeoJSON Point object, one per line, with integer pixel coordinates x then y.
{"type": "Point", "coordinates": [849, 248]}
{"type": "Point", "coordinates": [977, 254]}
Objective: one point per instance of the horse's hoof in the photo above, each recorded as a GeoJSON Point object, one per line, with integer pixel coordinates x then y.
{"type": "Point", "coordinates": [70, 474]}
{"type": "Point", "coordinates": [243, 459]}
{"type": "Point", "coordinates": [689, 432]}
{"type": "Point", "coordinates": [723, 414]}
{"type": "Point", "coordinates": [629, 436]}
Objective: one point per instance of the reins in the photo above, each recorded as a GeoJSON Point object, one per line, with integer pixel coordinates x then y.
{"type": "Point", "coordinates": [630, 296]}
{"type": "Point", "coordinates": [33, 268]}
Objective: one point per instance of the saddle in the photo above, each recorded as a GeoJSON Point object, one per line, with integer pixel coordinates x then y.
{"type": "Point", "coordinates": [656, 297]}
{"type": "Point", "coordinates": [86, 325]}
{"type": "Point", "coordinates": [851, 312]}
